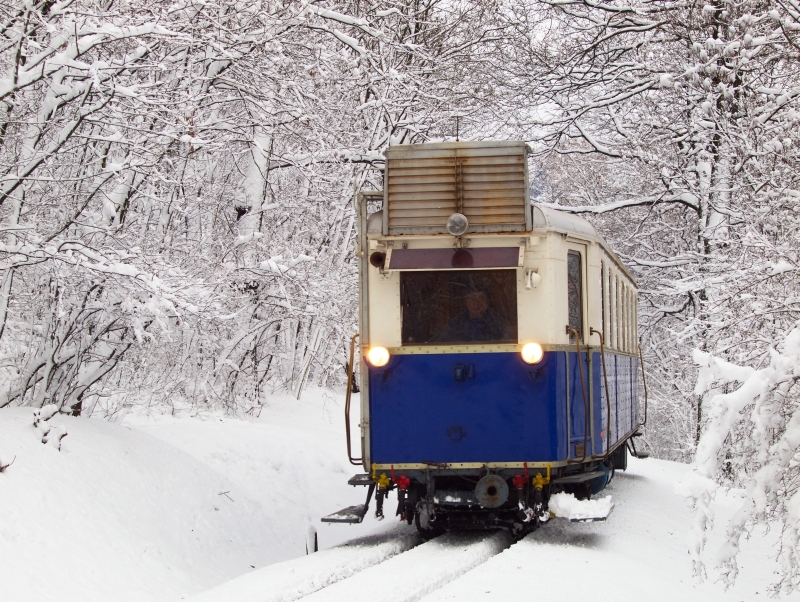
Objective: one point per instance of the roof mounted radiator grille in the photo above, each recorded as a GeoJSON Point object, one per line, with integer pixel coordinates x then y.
{"type": "Point", "coordinates": [486, 181]}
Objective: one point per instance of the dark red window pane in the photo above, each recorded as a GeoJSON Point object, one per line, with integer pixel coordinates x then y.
{"type": "Point", "coordinates": [429, 259]}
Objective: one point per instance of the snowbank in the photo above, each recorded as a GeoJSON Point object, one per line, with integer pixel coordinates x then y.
{"type": "Point", "coordinates": [165, 506]}
{"type": "Point", "coordinates": [292, 459]}
{"type": "Point", "coordinates": [117, 515]}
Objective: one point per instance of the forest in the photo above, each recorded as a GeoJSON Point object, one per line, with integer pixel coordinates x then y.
{"type": "Point", "coordinates": [178, 180]}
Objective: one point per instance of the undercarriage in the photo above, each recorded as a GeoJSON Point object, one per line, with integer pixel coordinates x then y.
{"type": "Point", "coordinates": [441, 499]}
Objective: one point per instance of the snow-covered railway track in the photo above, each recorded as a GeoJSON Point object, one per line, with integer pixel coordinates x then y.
{"type": "Point", "coordinates": [410, 576]}
{"type": "Point", "coordinates": [352, 571]}
{"type": "Point", "coordinates": [295, 579]}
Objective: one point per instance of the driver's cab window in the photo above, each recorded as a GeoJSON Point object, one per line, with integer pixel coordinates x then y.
{"type": "Point", "coordinates": [458, 307]}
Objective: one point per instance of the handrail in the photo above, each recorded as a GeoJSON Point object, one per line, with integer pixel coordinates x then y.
{"type": "Point", "coordinates": [608, 391]}
{"type": "Point", "coordinates": [350, 375]}
{"type": "Point", "coordinates": [583, 386]}
{"type": "Point", "coordinates": [644, 382]}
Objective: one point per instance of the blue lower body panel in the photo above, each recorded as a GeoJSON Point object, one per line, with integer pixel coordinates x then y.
{"type": "Point", "coordinates": [493, 407]}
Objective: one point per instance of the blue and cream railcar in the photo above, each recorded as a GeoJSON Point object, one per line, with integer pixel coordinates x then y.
{"type": "Point", "coordinates": [498, 343]}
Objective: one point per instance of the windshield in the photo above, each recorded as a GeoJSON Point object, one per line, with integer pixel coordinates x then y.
{"type": "Point", "coordinates": [459, 306]}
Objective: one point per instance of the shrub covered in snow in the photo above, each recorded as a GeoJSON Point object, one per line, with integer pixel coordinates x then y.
{"type": "Point", "coordinates": [751, 440]}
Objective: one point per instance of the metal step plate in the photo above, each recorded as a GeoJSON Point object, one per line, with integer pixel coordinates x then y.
{"type": "Point", "coordinates": [579, 478]}
{"type": "Point", "coordinates": [352, 515]}
{"type": "Point", "coordinates": [360, 479]}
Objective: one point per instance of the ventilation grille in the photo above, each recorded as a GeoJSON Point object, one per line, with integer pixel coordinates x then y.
{"type": "Point", "coordinates": [427, 183]}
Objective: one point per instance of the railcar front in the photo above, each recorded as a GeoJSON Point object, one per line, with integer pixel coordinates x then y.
{"type": "Point", "coordinates": [484, 384]}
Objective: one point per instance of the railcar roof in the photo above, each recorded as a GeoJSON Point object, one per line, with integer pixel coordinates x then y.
{"type": "Point", "coordinates": [554, 219]}
{"type": "Point", "coordinates": [550, 218]}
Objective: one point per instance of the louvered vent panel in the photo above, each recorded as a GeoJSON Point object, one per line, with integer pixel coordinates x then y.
{"type": "Point", "coordinates": [486, 181]}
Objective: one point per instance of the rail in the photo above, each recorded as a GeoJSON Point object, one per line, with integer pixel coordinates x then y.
{"type": "Point", "coordinates": [351, 371]}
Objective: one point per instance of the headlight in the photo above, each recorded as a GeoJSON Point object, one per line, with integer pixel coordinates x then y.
{"type": "Point", "coordinates": [378, 356]}
{"type": "Point", "coordinates": [532, 353]}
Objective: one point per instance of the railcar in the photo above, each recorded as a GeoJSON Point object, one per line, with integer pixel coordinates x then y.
{"type": "Point", "coordinates": [497, 345]}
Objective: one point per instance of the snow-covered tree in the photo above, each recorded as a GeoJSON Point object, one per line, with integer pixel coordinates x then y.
{"type": "Point", "coordinates": [676, 127]}
{"type": "Point", "coordinates": [178, 179]}
{"type": "Point", "coordinates": [751, 439]}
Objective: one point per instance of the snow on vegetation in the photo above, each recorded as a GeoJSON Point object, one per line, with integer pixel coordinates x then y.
{"type": "Point", "coordinates": [145, 200]}
{"type": "Point", "coordinates": [177, 232]}
{"type": "Point", "coordinates": [750, 440]}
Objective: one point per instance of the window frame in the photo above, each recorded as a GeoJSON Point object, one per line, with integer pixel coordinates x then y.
{"type": "Point", "coordinates": [513, 315]}
{"type": "Point", "coordinates": [580, 251]}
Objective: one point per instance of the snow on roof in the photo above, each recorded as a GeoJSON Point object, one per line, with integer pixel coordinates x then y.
{"type": "Point", "coordinates": [550, 218]}
{"type": "Point", "coordinates": [553, 219]}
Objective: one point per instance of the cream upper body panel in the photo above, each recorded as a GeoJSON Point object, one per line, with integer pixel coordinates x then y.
{"type": "Point", "coordinates": [542, 309]}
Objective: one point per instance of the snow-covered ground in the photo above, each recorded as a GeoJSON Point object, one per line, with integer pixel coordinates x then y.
{"type": "Point", "coordinates": [160, 507]}
{"type": "Point", "coordinates": [166, 507]}
{"type": "Point", "coordinates": [638, 553]}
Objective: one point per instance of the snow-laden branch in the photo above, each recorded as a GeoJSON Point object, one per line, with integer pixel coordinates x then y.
{"type": "Point", "coordinates": [686, 199]}
{"type": "Point", "coordinates": [761, 419]}
{"type": "Point", "coordinates": [50, 60]}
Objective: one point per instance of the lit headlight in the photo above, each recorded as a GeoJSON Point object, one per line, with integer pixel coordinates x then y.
{"type": "Point", "coordinates": [378, 356]}
{"type": "Point", "coordinates": [532, 353]}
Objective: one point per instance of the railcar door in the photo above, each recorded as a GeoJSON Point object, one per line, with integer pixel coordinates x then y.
{"type": "Point", "coordinates": [579, 373]}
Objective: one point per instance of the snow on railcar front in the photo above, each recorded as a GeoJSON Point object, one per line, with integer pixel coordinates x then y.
{"type": "Point", "coordinates": [498, 344]}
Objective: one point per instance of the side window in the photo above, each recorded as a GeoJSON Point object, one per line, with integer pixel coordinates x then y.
{"type": "Point", "coordinates": [603, 298]}
{"type": "Point", "coordinates": [617, 314]}
{"type": "Point", "coordinates": [632, 319]}
{"type": "Point", "coordinates": [610, 295]}
{"type": "Point", "coordinates": [623, 322]}
{"type": "Point", "coordinates": [628, 318]}
{"type": "Point", "coordinates": [575, 293]}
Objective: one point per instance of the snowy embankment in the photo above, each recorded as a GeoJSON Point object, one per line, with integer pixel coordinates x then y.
{"type": "Point", "coordinates": [163, 508]}
{"type": "Point", "coordinates": [117, 515]}
{"type": "Point", "coordinates": [159, 508]}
